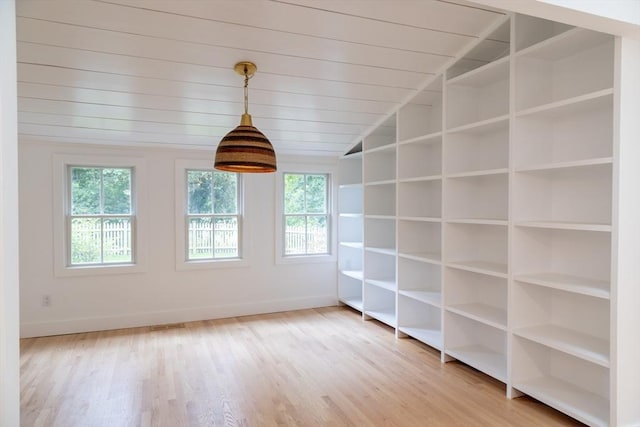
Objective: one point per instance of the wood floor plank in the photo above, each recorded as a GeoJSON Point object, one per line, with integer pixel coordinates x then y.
{"type": "Point", "coordinates": [321, 367]}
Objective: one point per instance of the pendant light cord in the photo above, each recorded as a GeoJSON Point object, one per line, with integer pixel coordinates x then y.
{"type": "Point", "coordinates": [246, 90]}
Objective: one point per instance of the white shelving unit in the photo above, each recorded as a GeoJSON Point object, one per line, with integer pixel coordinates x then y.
{"type": "Point", "coordinates": [420, 119]}
{"type": "Point", "coordinates": [420, 240]}
{"type": "Point", "coordinates": [478, 248]}
{"type": "Point", "coordinates": [476, 214]}
{"type": "Point", "coordinates": [477, 344]}
{"type": "Point", "coordinates": [570, 384]}
{"type": "Point", "coordinates": [419, 222]}
{"type": "Point", "coordinates": [350, 231]}
{"type": "Point", "coordinates": [480, 149]}
{"type": "Point", "coordinates": [562, 212]}
{"type": "Point", "coordinates": [487, 216]}
{"type": "Point", "coordinates": [479, 97]}
{"type": "Point", "coordinates": [379, 166]}
{"type": "Point", "coordinates": [565, 67]}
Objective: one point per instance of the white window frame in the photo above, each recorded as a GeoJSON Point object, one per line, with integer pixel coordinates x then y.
{"type": "Point", "coordinates": [328, 169]}
{"type": "Point", "coordinates": [61, 214]}
{"type": "Point", "coordinates": [181, 218]}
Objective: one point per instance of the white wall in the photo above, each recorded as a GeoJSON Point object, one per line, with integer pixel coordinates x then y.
{"type": "Point", "coordinates": [9, 345]}
{"type": "Point", "coordinates": [161, 294]}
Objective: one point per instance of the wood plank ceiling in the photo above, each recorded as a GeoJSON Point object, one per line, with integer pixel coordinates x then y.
{"type": "Point", "coordinates": [160, 72]}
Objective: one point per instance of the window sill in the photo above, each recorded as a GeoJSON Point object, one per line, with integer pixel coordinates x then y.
{"type": "Point", "coordinates": [211, 264]}
{"type": "Point", "coordinates": [98, 270]}
{"type": "Point", "coordinates": [306, 259]}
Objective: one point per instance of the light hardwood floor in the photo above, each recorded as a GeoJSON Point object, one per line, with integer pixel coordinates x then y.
{"type": "Point", "coordinates": [322, 367]}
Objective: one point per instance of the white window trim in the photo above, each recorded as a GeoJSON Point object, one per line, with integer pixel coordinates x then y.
{"type": "Point", "coordinates": [182, 264]}
{"type": "Point", "coordinates": [328, 169]}
{"type": "Point", "coordinates": [61, 163]}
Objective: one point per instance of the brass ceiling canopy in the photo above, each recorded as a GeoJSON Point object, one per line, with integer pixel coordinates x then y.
{"type": "Point", "coordinates": [245, 149]}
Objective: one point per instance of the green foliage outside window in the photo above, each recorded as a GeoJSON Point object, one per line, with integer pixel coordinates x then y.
{"type": "Point", "coordinates": [212, 212]}
{"type": "Point", "coordinates": [306, 214]}
{"type": "Point", "coordinates": [101, 221]}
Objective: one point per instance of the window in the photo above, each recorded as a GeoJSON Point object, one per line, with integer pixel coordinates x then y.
{"type": "Point", "coordinates": [213, 215]}
{"type": "Point", "coordinates": [306, 217]}
{"type": "Point", "coordinates": [100, 216]}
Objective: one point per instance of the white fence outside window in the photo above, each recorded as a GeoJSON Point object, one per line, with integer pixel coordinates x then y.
{"type": "Point", "coordinates": [117, 238]}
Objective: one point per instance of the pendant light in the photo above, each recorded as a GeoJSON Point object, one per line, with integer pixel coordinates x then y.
{"type": "Point", "coordinates": [245, 149]}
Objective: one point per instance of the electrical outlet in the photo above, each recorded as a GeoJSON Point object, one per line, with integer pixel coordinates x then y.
{"type": "Point", "coordinates": [46, 300]}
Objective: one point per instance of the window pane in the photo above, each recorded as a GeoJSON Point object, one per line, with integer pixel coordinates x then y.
{"type": "Point", "coordinates": [226, 237]}
{"type": "Point", "coordinates": [86, 238]}
{"type": "Point", "coordinates": [225, 192]}
{"type": "Point", "coordinates": [116, 187]}
{"type": "Point", "coordinates": [293, 193]}
{"type": "Point", "coordinates": [85, 191]}
{"type": "Point", "coordinates": [317, 232]}
{"type": "Point", "coordinates": [200, 238]}
{"type": "Point", "coordinates": [316, 194]}
{"type": "Point", "coordinates": [199, 192]}
{"type": "Point", "coordinates": [117, 240]}
{"type": "Point", "coordinates": [295, 241]}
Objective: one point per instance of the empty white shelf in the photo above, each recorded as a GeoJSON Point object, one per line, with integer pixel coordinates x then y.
{"type": "Point", "coordinates": [370, 216]}
{"type": "Point", "coordinates": [567, 164]}
{"type": "Point", "coordinates": [557, 47]}
{"type": "Point", "coordinates": [351, 185]}
{"type": "Point", "coordinates": [421, 178]}
{"type": "Point", "coordinates": [484, 267]}
{"type": "Point", "coordinates": [356, 245]}
{"type": "Point", "coordinates": [385, 251]}
{"type": "Point", "coordinates": [380, 182]}
{"type": "Point", "coordinates": [389, 285]}
{"type": "Point", "coordinates": [578, 344]}
{"type": "Point", "coordinates": [483, 172]}
{"type": "Point", "coordinates": [479, 221]}
{"type": "Point", "coordinates": [427, 297]}
{"type": "Point", "coordinates": [420, 218]}
{"type": "Point", "coordinates": [483, 313]}
{"type": "Point", "coordinates": [355, 302]}
{"type": "Point", "coordinates": [483, 359]}
{"type": "Point", "coordinates": [581, 404]}
{"type": "Point", "coordinates": [351, 214]}
{"type": "Point", "coordinates": [432, 337]}
{"type": "Point", "coordinates": [431, 257]}
{"type": "Point", "coordinates": [566, 282]}
{"type": "Point", "coordinates": [565, 225]}
{"type": "Point", "coordinates": [570, 105]}
{"type": "Point", "coordinates": [355, 274]}
{"type": "Point", "coordinates": [388, 317]}
{"type": "Point", "coordinates": [479, 124]}
{"type": "Point", "coordinates": [422, 138]}
{"type": "Point", "coordinates": [387, 147]}
{"type": "Point", "coordinates": [484, 75]}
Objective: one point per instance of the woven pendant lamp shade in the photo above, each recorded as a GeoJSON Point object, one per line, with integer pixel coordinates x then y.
{"type": "Point", "coordinates": [245, 149]}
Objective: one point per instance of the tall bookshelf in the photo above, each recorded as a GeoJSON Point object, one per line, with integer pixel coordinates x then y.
{"type": "Point", "coordinates": [420, 216]}
{"type": "Point", "coordinates": [487, 215]}
{"type": "Point", "coordinates": [476, 201]}
{"type": "Point", "coordinates": [379, 164]}
{"type": "Point", "coordinates": [350, 230]}
{"type": "Point", "coordinates": [562, 216]}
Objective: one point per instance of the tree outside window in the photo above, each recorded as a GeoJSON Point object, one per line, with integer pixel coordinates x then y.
{"type": "Point", "coordinates": [306, 215]}
{"type": "Point", "coordinates": [100, 216]}
{"type": "Point", "coordinates": [213, 215]}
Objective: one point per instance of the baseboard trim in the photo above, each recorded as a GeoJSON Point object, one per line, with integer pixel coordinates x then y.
{"type": "Point", "coordinates": [90, 324]}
